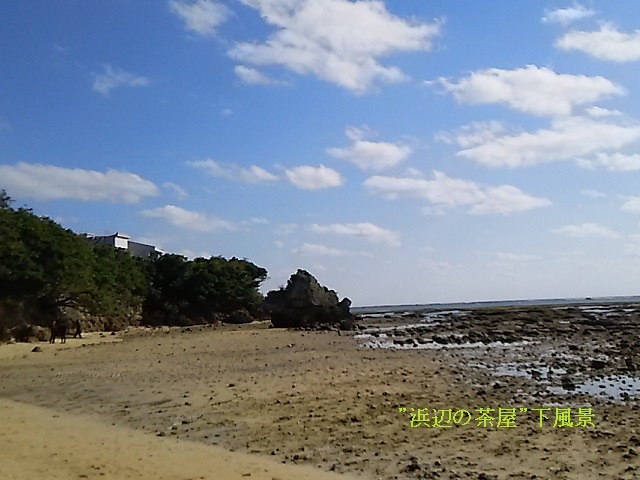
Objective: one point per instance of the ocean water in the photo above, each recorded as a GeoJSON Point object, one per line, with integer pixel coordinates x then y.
{"type": "Point", "coordinates": [500, 303]}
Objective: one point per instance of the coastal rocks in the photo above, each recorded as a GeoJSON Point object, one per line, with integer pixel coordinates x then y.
{"type": "Point", "coordinates": [538, 352]}
{"type": "Point", "coordinates": [29, 333]}
{"type": "Point", "coordinates": [239, 317]}
{"type": "Point", "coordinates": [304, 303]}
{"type": "Point", "coordinates": [598, 364]}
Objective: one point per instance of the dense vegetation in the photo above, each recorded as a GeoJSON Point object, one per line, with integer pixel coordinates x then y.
{"type": "Point", "coordinates": [47, 271]}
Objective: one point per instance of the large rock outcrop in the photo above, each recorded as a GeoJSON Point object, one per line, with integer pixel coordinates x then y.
{"type": "Point", "coordinates": [304, 303]}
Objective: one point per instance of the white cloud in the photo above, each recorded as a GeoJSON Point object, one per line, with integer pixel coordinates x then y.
{"type": "Point", "coordinates": [608, 43]}
{"type": "Point", "coordinates": [599, 112]}
{"type": "Point", "coordinates": [285, 229]}
{"type": "Point", "coordinates": [368, 231]}
{"type": "Point", "coordinates": [475, 133]}
{"type": "Point", "coordinates": [50, 182]}
{"type": "Point", "coordinates": [507, 199]}
{"type": "Point", "coordinates": [369, 155]}
{"type": "Point", "coordinates": [565, 16]}
{"type": "Point", "coordinates": [235, 173]}
{"type": "Point", "coordinates": [444, 191]}
{"type": "Point", "coordinates": [201, 16]}
{"type": "Point", "coordinates": [188, 220]}
{"type": "Point", "coordinates": [593, 193]}
{"type": "Point", "coordinates": [259, 221]}
{"type": "Point", "coordinates": [254, 76]}
{"type": "Point", "coordinates": [338, 41]}
{"type": "Point", "coordinates": [112, 78]}
{"type": "Point", "coordinates": [515, 257]}
{"type": "Point", "coordinates": [314, 178]}
{"type": "Point", "coordinates": [316, 250]}
{"type": "Point", "coordinates": [618, 162]}
{"type": "Point", "coordinates": [179, 192]}
{"type": "Point", "coordinates": [191, 254]}
{"type": "Point", "coordinates": [632, 205]}
{"type": "Point", "coordinates": [568, 138]}
{"type": "Point", "coordinates": [586, 230]}
{"type": "Point", "coordinates": [532, 89]}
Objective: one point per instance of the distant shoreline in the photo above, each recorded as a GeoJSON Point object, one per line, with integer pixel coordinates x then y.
{"type": "Point", "coordinates": [494, 303]}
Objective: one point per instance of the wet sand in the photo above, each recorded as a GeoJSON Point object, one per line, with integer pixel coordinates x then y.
{"type": "Point", "coordinates": [309, 398]}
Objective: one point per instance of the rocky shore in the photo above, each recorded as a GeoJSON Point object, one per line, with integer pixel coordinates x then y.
{"type": "Point", "coordinates": [583, 353]}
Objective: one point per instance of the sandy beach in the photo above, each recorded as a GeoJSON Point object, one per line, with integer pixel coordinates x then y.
{"type": "Point", "coordinates": [248, 401]}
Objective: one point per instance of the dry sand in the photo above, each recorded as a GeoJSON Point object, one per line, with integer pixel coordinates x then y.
{"type": "Point", "coordinates": [160, 404]}
{"type": "Point", "coordinates": [38, 443]}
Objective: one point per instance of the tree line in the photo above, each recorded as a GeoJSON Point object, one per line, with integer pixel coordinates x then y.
{"type": "Point", "coordinates": [46, 270]}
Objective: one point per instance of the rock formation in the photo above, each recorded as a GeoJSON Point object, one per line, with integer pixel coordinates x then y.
{"type": "Point", "coordinates": [304, 303]}
{"type": "Point", "coordinates": [238, 317]}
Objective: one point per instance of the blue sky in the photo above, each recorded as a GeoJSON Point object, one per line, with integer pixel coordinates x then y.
{"type": "Point", "coordinates": [402, 152]}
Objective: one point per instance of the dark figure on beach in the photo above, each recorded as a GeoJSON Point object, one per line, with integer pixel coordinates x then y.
{"type": "Point", "coordinates": [54, 330]}
{"type": "Point", "coordinates": [59, 329]}
{"type": "Point", "coordinates": [78, 329]}
{"type": "Point", "coordinates": [63, 326]}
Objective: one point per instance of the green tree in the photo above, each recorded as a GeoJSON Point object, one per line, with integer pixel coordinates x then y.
{"type": "Point", "coordinates": [120, 282]}
{"type": "Point", "coordinates": [42, 265]}
{"type": "Point", "coordinates": [5, 200]}
{"type": "Point", "coordinates": [195, 291]}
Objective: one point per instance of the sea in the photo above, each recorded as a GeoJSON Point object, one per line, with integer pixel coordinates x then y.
{"type": "Point", "coordinates": [496, 303]}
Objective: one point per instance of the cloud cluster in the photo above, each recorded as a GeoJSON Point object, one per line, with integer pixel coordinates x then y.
{"type": "Point", "coordinates": [179, 192]}
{"type": "Point", "coordinates": [252, 76]}
{"type": "Point", "coordinates": [608, 43]}
{"type": "Point", "coordinates": [338, 41]}
{"type": "Point", "coordinates": [532, 89]}
{"type": "Point", "coordinates": [202, 17]}
{"type": "Point", "coordinates": [586, 230]}
{"type": "Point", "coordinates": [50, 182]}
{"type": "Point", "coordinates": [565, 16]}
{"type": "Point", "coordinates": [369, 231]}
{"type": "Point", "coordinates": [369, 155]}
{"type": "Point", "coordinates": [112, 78]}
{"type": "Point", "coordinates": [507, 257]}
{"type": "Point", "coordinates": [631, 205]}
{"type": "Point", "coordinates": [567, 138]}
{"type": "Point", "coordinates": [235, 173]}
{"type": "Point", "coordinates": [187, 219]}
{"type": "Point", "coordinates": [304, 177]}
{"type": "Point", "coordinates": [447, 192]}
{"type": "Point", "coordinates": [614, 162]}
{"type": "Point", "coordinates": [317, 250]}
{"type": "Point", "coordinates": [307, 177]}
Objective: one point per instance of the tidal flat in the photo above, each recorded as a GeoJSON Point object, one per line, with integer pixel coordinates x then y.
{"type": "Point", "coordinates": [341, 403]}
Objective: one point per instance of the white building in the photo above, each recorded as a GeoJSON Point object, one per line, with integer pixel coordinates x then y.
{"type": "Point", "coordinates": [123, 241]}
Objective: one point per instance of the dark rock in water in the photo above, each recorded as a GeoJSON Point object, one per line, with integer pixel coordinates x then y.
{"type": "Point", "coordinates": [568, 384]}
{"type": "Point", "coordinates": [439, 340]}
{"type": "Point", "coordinates": [36, 349]}
{"type": "Point", "coordinates": [629, 363]}
{"type": "Point", "coordinates": [304, 303]}
{"type": "Point", "coordinates": [598, 364]}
